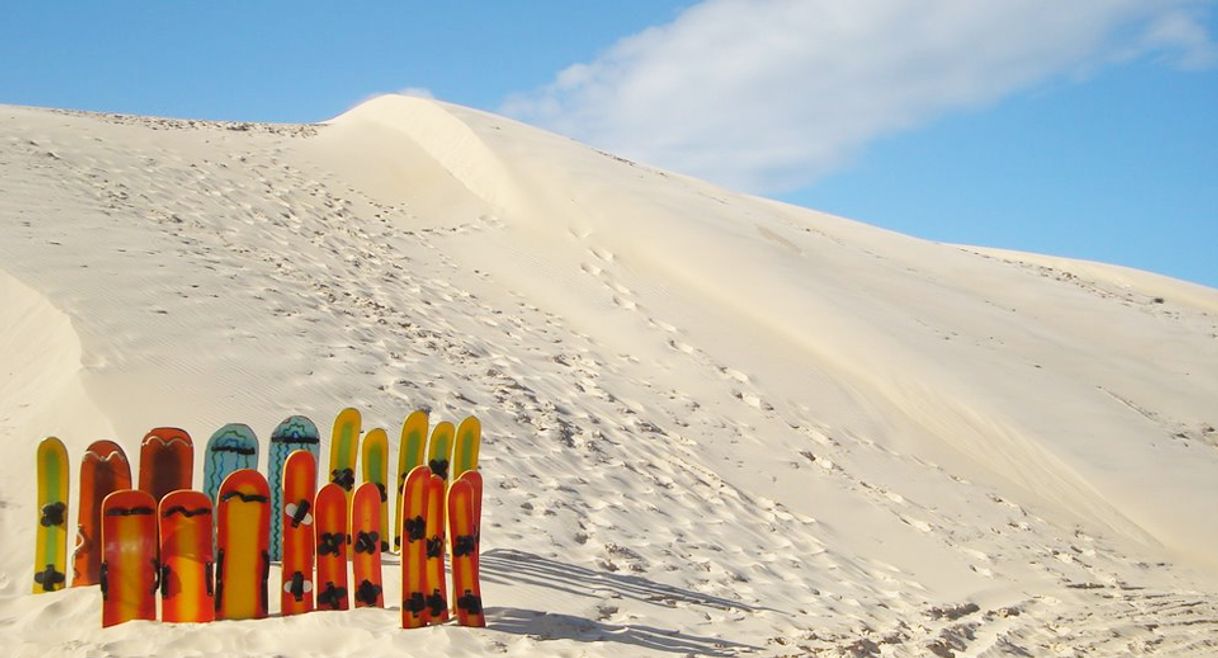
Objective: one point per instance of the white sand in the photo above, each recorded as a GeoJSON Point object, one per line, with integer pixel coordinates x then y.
{"type": "Point", "coordinates": [714, 423]}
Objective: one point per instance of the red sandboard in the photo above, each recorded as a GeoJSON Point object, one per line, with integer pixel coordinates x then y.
{"type": "Point", "coordinates": [128, 570]}
{"type": "Point", "coordinates": [166, 461]}
{"type": "Point", "coordinates": [366, 559]}
{"type": "Point", "coordinates": [103, 470]}
{"type": "Point", "coordinates": [433, 573]}
{"type": "Point", "coordinates": [299, 485]}
{"type": "Point", "coordinates": [414, 547]}
{"type": "Point", "coordinates": [330, 525]}
{"type": "Point", "coordinates": [187, 585]}
{"type": "Point", "coordinates": [463, 507]}
{"type": "Point", "coordinates": [243, 562]}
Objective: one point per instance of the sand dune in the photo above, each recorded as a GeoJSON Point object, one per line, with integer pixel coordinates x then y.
{"type": "Point", "coordinates": [715, 424]}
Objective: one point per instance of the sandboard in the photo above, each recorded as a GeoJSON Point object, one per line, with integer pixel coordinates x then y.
{"type": "Point", "coordinates": [366, 518]}
{"type": "Point", "coordinates": [463, 507]}
{"type": "Point", "coordinates": [166, 461]}
{"type": "Point", "coordinates": [103, 470]}
{"type": "Point", "coordinates": [412, 449]}
{"type": "Point", "coordinates": [344, 450]}
{"type": "Point", "coordinates": [433, 573]}
{"type": "Point", "coordinates": [128, 572]}
{"type": "Point", "coordinates": [243, 524]}
{"type": "Point", "coordinates": [374, 455]}
{"type": "Point", "coordinates": [51, 533]}
{"type": "Point", "coordinates": [414, 547]}
{"type": "Point", "coordinates": [465, 447]}
{"type": "Point", "coordinates": [294, 433]}
{"type": "Point", "coordinates": [440, 450]}
{"type": "Point", "coordinates": [187, 570]}
{"type": "Point", "coordinates": [299, 493]}
{"type": "Point", "coordinates": [231, 448]}
{"type": "Point", "coordinates": [330, 525]}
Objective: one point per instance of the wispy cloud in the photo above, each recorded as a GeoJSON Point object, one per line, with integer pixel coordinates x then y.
{"type": "Point", "coordinates": [767, 95]}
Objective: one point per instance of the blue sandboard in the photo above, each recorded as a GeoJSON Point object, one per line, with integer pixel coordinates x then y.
{"type": "Point", "coordinates": [294, 433]}
{"type": "Point", "coordinates": [232, 447]}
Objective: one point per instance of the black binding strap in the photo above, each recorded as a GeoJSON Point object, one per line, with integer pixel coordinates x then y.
{"type": "Point", "coordinates": [188, 513]}
{"type": "Point", "coordinates": [343, 477]}
{"type": "Point", "coordinates": [51, 579]}
{"type": "Point", "coordinates": [416, 604]}
{"type": "Point", "coordinates": [302, 511]}
{"type": "Point", "coordinates": [464, 545]}
{"type": "Point", "coordinates": [439, 467]}
{"type": "Point", "coordinates": [330, 542]}
{"type": "Point", "coordinates": [53, 514]}
{"type": "Point", "coordinates": [367, 542]}
{"type": "Point", "coordinates": [245, 498]}
{"type": "Point", "coordinates": [367, 592]}
{"type": "Point", "coordinates": [416, 528]}
{"type": "Point", "coordinates": [129, 511]}
{"type": "Point", "coordinates": [470, 603]}
{"type": "Point", "coordinates": [435, 547]}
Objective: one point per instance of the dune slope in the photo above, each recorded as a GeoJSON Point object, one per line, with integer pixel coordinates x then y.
{"type": "Point", "coordinates": [715, 424]}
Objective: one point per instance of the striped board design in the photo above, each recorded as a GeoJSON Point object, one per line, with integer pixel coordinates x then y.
{"type": "Point", "coordinates": [294, 433]}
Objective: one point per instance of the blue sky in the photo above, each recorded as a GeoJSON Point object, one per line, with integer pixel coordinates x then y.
{"type": "Point", "coordinates": [1089, 132]}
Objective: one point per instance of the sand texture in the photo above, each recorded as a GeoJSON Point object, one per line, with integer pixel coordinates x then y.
{"type": "Point", "coordinates": [714, 424]}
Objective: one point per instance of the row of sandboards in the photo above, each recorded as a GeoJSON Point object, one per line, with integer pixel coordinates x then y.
{"type": "Point", "coordinates": [298, 525]}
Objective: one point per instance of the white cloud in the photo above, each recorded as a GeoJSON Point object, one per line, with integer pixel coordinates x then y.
{"type": "Point", "coordinates": [767, 95]}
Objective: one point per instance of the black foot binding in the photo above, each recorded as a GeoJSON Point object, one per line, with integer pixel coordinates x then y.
{"type": "Point", "coordinates": [436, 604]}
{"type": "Point", "coordinates": [367, 542]}
{"type": "Point", "coordinates": [330, 542]}
{"type": "Point", "coordinates": [53, 514]}
{"type": "Point", "coordinates": [343, 477]}
{"type": "Point", "coordinates": [51, 580]}
{"type": "Point", "coordinates": [470, 603]}
{"type": "Point", "coordinates": [416, 528]}
{"type": "Point", "coordinates": [297, 586]}
{"type": "Point", "coordinates": [464, 545]}
{"type": "Point", "coordinates": [300, 513]}
{"type": "Point", "coordinates": [331, 596]}
{"type": "Point", "coordinates": [439, 467]}
{"type": "Point", "coordinates": [435, 547]}
{"type": "Point", "coordinates": [416, 604]}
{"type": "Point", "coordinates": [367, 593]}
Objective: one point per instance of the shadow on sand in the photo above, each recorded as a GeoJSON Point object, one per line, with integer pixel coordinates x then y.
{"type": "Point", "coordinates": [512, 566]}
{"type": "Point", "coordinates": [552, 626]}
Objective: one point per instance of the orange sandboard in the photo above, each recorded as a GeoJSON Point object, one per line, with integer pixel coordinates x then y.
{"type": "Point", "coordinates": [103, 470]}
{"type": "Point", "coordinates": [463, 507]}
{"type": "Point", "coordinates": [166, 461]}
{"type": "Point", "coordinates": [330, 524]}
{"type": "Point", "coordinates": [366, 515]}
{"type": "Point", "coordinates": [299, 485]}
{"type": "Point", "coordinates": [414, 547]}
{"type": "Point", "coordinates": [433, 573]}
{"type": "Point", "coordinates": [128, 569]}
{"type": "Point", "coordinates": [243, 561]}
{"type": "Point", "coordinates": [187, 585]}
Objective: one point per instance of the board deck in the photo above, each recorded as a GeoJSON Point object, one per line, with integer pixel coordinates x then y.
{"type": "Point", "coordinates": [128, 572]}
{"type": "Point", "coordinates": [51, 531]}
{"type": "Point", "coordinates": [294, 433]}
{"type": "Point", "coordinates": [412, 451]}
{"type": "Point", "coordinates": [299, 494]}
{"type": "Point", "coordinates": [374, 457]}
{"type": "Point", "coordinates": [440, 450]}
{"type": "Point", "coordinates": [103, 470]}
{"type": "Point", "coordinates": [434, 580]}
{"type": "Point", "coordinates": [344, 450]}
{"type": "Point", "coordinates": [463, 507]}
{"type": "Point", "coordinates": [243, 521]}
{"type": "Point", "coordinates": [166, 461]}
{"type": "Point", "coordinates": [230, 448]}
{"type": "Point", "coordinates": [465, 447]}
{"type": "Point", "coordinates": [186, 576]}
{"type": "Point", "coordinates": [414, 548]}
{"type": "Point", "coordinates": [330, 526]}
{"type": "Point", "coordinates": [366, 508]}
